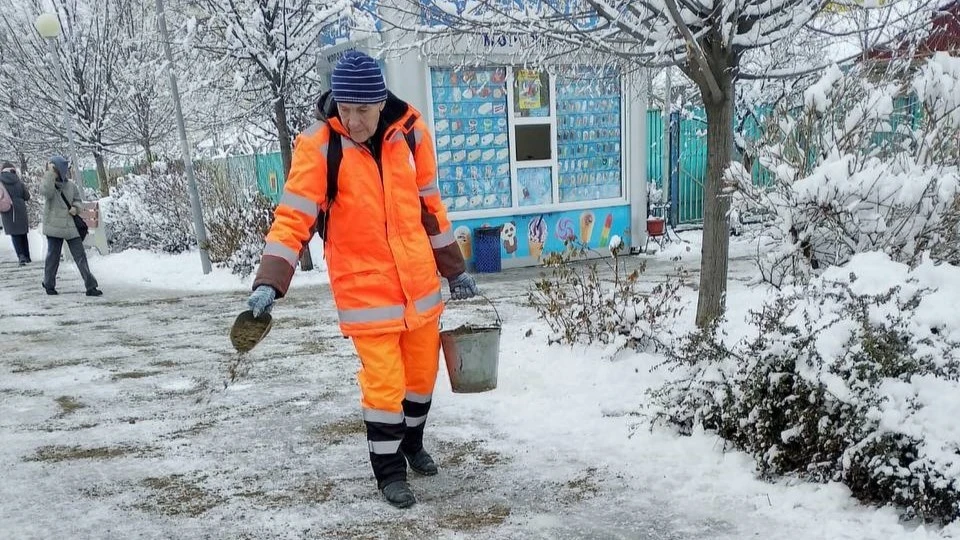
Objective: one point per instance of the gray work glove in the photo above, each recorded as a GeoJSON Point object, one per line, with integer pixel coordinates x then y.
{"type": "Point", "coordinates": [463, 287]}
{"type": "Point", "coordinates": [261, 301]}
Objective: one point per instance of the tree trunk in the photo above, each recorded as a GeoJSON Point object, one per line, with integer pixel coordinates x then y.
{"type": "Point", "coordinates": [283, 135]}
{"type": "Point", "coordinates": [286, 156]}
{"type": "Point", "coordinates": [23, 162]}
{"type": "Point", "coordinates": [716, 222]}
{"type": "Point", "coordinates": [147, 150]}
{"type": "Point", "coordinates": [102, 179]}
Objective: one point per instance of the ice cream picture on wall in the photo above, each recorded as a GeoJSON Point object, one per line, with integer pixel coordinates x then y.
{"type": "Point", "coordinates": [509, 237]}
{"type": "Point", "coordinates": [537, 236]}
{"type": "Point", "coordinates": [463, 237]}
{"type": "Point", "coordinates": [586, 226]}
{"type": "Point", "coordinates": [605, 233]}
{"type": "Point", "coordinates": [564, 230]}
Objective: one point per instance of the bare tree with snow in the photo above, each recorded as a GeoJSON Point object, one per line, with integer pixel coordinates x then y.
{"type": "Point", "coordinates": [87, 58]}
{"type": "Point", "coordinates": [145, 108]}
{"type": "Point", "coordinates": [271, 47]}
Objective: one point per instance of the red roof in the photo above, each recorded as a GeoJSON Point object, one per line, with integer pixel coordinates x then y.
{"type": "Point", "coordinates": [944, 35]}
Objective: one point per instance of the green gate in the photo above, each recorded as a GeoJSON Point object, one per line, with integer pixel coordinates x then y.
{"type": "Point", "coordinates": [688, 161]}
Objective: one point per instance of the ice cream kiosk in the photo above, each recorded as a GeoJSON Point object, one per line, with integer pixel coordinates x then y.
{"type": "Point", "coordinates": [538, 153]}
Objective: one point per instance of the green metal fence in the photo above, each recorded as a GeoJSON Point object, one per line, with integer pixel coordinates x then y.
{"type": "Point", "coordinates": [655, 150]}
{"type": "Point", "coordinates": [264, 171]}
{"type": "Point", "coordinates": [688, 151]}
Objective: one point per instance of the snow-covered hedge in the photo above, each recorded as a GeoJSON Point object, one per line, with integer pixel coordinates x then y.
{"type": "Point", "coordinates": [152, 211]}
{"type": "Point", "coordinates": [865, 164]}
{"type": "Point", "coordinates": [852, 377]}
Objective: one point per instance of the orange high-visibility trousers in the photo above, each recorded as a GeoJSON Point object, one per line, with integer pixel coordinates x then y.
{"type": "Point", "coordinates": [397, 375]}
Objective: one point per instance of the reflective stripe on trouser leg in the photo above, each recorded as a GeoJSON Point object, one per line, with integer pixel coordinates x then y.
{"type": "Point", "coordinates": [421, 359]}
{"type": "Point", "coordinates": [382, 385]}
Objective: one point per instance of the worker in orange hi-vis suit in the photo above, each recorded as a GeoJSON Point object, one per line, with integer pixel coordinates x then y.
{"type": "Point", "coordinates": [387, 239]}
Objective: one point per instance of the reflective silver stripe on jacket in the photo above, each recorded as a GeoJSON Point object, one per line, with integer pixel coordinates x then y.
{"type": "Point", "coordinates": [346, 142]}
{"type": "Point", "coordinates": [428, 302]}
{"type": "Point", "coordinates": [299, 203]}
{"type": "Point", "coordinates": [277, 249]}
{"type": "Point", "coordinates": [442, 240]}
{"type": "Point", "coordinates": [417, 135]}
{"type": "Point", "coordinates": [430, 189]}
{"type": "Point", "coordinates": [383, 447]}
{"type": "Point", "coordinates": [314, 128]}
{"type": "Point", "coordinates": [383, 417]}
{"type": "Point", "coordinates": [364, 315]}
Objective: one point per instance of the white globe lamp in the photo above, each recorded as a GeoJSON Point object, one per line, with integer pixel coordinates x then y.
{"type": "Point", "coordinates": [48, 25]}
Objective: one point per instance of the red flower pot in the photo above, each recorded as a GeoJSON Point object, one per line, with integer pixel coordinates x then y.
{"type": "Point", "coordinates": [655, 226]}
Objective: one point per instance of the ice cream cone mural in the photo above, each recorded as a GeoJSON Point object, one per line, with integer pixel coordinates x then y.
{"type": "Point", "coordinates": [509, 236]}
{"type": "Point", "coordinates": [536, 236]}
{"type": "Point", "coordinates": [464, 241]}
{"type": "Point", "coordinates": [586, 227]}
{"type": "Point", "coordinates": [605, 233]}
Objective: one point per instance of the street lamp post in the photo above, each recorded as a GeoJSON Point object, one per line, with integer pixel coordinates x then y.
{"type": "Point", "coordinates": [48, 25]}
{"type": "Point", "coordinates": [184, 145]}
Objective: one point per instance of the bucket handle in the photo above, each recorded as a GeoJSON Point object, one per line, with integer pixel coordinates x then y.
{"type": "Point", "coordinates": [497, 313]}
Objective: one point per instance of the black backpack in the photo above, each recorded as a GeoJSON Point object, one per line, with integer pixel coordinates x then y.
{"type": "Point", "coordinates": [334, 157]}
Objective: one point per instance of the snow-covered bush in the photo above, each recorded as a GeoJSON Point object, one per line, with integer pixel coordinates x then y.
{"type": "Point", "coordinates": [852, 377]}
{"type": "Point", "coordinates": [152, 212]}
{"type": "Point", "coordinates": [583, 302]}
{"type": "Point", "coordinates": [866, 163]}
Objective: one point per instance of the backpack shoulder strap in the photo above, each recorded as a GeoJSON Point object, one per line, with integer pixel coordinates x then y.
{"type": "Point", "coordinates": [410, 135]}
{"type": "Point", "coordinates": [334, 157]}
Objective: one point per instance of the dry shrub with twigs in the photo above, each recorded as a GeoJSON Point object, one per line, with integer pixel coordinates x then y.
{"type": "Point", "coordinates": [584, 302]}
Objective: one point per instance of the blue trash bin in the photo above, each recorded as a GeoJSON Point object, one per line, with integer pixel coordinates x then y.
{"type": "Point", "coordinates": [486, 250]}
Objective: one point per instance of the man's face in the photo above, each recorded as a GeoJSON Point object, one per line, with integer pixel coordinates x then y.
{"type": "Point", "coordinates": [360, 119]}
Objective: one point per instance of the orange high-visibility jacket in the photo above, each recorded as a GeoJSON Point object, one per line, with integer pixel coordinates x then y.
{"type": "Point", "coordinates": [388, 232]}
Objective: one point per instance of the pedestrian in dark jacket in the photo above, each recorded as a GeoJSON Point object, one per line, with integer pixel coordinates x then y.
{"type": "Point", "coordinates": [62, 202]}
{"type": "Point", "coordinates": [16, 221]}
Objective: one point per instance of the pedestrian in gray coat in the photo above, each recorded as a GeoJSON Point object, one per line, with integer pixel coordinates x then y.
{"type": "Point", "coordinates": [58, 225]}
{"type": "Point", "coordinates": [16, 221]}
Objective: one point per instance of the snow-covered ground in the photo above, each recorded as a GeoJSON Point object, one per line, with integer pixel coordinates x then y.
{"type": "Point", "coordinates": [115, 423]}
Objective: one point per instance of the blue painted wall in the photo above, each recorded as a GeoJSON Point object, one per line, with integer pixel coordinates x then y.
{"type": "Point", "coordinates": [525, 239]}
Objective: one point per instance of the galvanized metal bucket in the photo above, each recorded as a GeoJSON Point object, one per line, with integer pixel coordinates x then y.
{"type": "Point", "coordinates": [472, 355]}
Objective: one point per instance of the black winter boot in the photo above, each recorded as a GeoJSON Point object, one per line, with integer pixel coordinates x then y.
{"type": "Point", "coordinates": [421, 462]}
{"type": "Point", "coordinates": [399, 494]}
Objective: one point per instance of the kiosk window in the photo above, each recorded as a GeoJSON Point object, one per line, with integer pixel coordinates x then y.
{"type": "Point", "coordinates": [533, 142]}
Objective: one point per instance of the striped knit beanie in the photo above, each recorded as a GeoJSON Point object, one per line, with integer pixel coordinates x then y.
{"type": "Point", "coordinates": [357, 79]}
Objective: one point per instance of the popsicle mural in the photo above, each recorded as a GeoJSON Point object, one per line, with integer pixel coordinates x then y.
{"type": "Point", "coordinates": [525, 239]}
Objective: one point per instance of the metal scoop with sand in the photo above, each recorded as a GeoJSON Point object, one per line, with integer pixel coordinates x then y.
{"type": "Point", "coordinates": [248, 330]}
